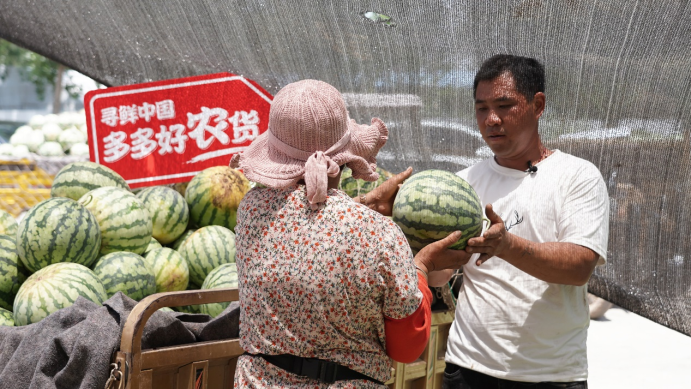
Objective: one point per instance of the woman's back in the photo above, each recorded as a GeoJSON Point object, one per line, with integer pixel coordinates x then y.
{"type": "Point", "coordinates": [318, 283]}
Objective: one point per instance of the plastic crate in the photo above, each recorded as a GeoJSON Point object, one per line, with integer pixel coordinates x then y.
{"type": "Point", "coordinates": [26, 182]}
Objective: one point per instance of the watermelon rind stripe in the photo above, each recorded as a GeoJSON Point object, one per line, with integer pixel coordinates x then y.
{"type": "Point", "coordinates": [206, 249]}
{"type": "Point", "coordinates": [123, 220]}
{"type": "Point", "coordinates": [58, 230]}
{"type": "Point", "coordinates": [126, 272]}
{"type": "Point", "coordinates": [224, 276]}
{"type": "Point", "coordinates": [11, 276]}
{"type": "Point", "coordinates": [170, 269]}
{"type": "Point", "coordinates": [6, 318]}
{"type": "Point", "coordinates": [168, 210]}
{"type": "Point", "coordinates": [8, 224]}
{"type": "Point", "coordinates": [213, 196]}
{"type": "Point", "coordinates": [55, 287]}
{"type": "Point", "coordinates": [78, 178]}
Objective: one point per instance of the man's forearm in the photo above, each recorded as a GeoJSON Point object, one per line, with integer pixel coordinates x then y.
{"type": "Point", "coordinates": [440, 277]}
{"type": "Point", "coordinates": [554, 262]}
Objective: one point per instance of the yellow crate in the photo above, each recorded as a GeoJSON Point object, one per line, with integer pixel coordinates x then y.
{"type": "Point", "coordinates": [22, 185]}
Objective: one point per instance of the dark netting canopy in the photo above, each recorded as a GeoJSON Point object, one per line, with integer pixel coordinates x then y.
{"type": "Point", "coordinates": [618, 90]}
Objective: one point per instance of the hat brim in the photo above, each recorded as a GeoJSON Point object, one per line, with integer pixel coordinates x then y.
{"type": "Point", "coordinates": [263, 163]}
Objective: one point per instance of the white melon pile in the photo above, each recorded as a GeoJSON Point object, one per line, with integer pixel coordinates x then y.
{"type": "Point", "coordinates": [49, 136]}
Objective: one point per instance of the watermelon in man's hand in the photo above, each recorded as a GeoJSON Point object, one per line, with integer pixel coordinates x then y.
{"type": "Point", "coordinates": [432, 204]}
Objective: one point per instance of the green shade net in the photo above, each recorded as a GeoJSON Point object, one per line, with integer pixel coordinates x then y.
{"type": "Point", "coordinates": [618, 90]}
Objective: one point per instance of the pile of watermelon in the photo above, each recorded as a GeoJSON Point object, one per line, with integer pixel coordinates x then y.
{"type": "Point", "coordinates": [95, 237]}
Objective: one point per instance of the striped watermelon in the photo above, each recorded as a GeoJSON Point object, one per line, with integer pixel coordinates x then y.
{"type": "Point", "coordinates": [55, 287]}
{"type": "Point", "coordinates": [434, 203]}
{"type": "Point", "coordinates": [166, 309]}
{"type": "Point", "coordinates": [12, 274]}
{"type": "Point", "coordinates": [124, 221]}
{"type": "Point", "coordinates": [76, 179]}
{"type": "Point", "coordinates": [356, 187]}
{"type": "Point", "coordinates": [224, 276]}
{"type": "Point", "coordinates": [126, 272]}
{"type": "Point", "coordinates": [179, 241]}
{"type": "Point", "coordinates": [168, 211]}
{"type": "Point", "coordinates": [58, 230]}
{"type": "Point", "coordinates": [206, 249]}
{"type": "Point", "coordinates": [214, 194]}
{"type": "Point", "coordinates": [8, 225]}
{"type": "Point", "coordinates": [170, 269]}
{"type": "Point", "coordinates": [153, 244]}
{"type": "Point", "coordinates": [6, 318]}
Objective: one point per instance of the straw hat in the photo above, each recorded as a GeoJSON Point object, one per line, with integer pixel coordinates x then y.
{"type": "Point", "coordinates": [310, 135]}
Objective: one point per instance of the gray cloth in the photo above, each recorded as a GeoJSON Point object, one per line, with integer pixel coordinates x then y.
{"type": "Point", "coordinates": [72, 348]}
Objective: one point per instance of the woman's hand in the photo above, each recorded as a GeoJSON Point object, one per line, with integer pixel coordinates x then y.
{"type": "Point", "coordinates": [437, 256]}
{"type": "Point", "coordinates": [382, 197]}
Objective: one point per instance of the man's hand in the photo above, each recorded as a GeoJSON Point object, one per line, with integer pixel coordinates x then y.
{"type": "Point", "coordinates": [494, 241]}
{"type": "Point", "coordinates": [382, 197]}
{"type": "Point", "coordinates": [437, 256]}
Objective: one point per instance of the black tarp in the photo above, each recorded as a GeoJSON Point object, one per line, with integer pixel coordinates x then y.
{"type": "Point", "coordinates": [73, 347]}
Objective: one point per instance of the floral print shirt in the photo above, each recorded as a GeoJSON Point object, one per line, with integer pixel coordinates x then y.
{"type": "Point", "coordinates": [318, 284]}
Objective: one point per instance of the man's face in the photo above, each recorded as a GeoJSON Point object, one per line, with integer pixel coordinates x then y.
{"type": "Point", "coordinates": [507, 121]}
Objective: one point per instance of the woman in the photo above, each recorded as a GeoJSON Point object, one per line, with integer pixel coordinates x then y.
{"type": "Point", "coordinates": [329, 289]}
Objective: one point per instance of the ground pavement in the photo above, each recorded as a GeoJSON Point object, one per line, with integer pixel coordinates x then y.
{"type": "Point", "coordinates": [628, 351]}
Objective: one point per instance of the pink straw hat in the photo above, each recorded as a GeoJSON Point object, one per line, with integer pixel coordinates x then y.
{"type": "Point", "coordinates": [310, 135]}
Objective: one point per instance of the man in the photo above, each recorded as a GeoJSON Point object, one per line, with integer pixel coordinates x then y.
{"type": "Point", "coordinates": [522, 313]}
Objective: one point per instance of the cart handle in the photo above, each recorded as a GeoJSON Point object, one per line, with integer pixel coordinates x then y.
{"type": "Point", "coordinates": [134, 326]}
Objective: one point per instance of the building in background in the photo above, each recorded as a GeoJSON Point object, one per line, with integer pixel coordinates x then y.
{"type": "Point", "coordinates": [19, 100]}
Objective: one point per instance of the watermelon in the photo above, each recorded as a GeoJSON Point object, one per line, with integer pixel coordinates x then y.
{"type": "Point", "coordinates": [214, 194]}
{"type": "Point", "coordinates": [6, 318]}
{"type": "Point", "coordinates": [76, 179]}
{"type": "Point", "coordinates": [55, 287]}
{"type": "Point", "coordinates": [168, 211]}
{"type": "Point", "coordinates": [224, 276]}
{"type": "Point", "coordinates": [58, 230]}
{"type": "Point", "coordinates": [356, 187]}
{"type": "Point", "coordinates": [179, 241]}
{"type": "Point", "coordinates": [434, 203]}
{"type": "Point", "coordinates": [170, 269]}
{"type": "Point", "coordinates": [8, 225]}
{"type": "Point", "coordinates": [153, 244]}
{"type": "Point", "coordinates": [206, 249]}
{"type": "Point", "coordinates": [126, 272]}
{"type": "Point", "coordinates": [166, 309]}
{"type": "Point", "coordinates": [123, 219]}
{"type": "Point", "coordinates": [12, 274]}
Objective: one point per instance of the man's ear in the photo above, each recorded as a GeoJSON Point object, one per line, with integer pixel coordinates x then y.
{"type": "Point", "coordinates": [538, 104]}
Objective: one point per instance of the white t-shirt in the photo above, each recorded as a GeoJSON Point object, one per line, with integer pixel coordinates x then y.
{"type": "Point", "coordinates": [509, 324]}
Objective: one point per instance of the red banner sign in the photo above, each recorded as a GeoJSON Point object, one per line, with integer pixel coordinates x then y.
{"type": "Point", "coordinates": [166, 132]}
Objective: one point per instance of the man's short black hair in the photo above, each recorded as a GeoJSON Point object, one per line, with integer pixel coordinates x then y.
{"type": "Point", "coordinates": [528, 73]}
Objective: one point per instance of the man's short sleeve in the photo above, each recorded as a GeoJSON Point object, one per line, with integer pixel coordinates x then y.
{"type": "Point", "coordinates": [584, 217]}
